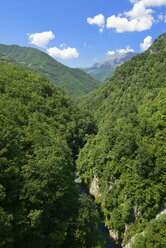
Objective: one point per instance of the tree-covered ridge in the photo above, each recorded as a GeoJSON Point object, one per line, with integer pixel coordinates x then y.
{"type": "Point", "coordinates": [7, 59]}
{"type": "Point", "coordinates": [128, 154]}
{"type": "Point", "coordinates": [74, 82]}
{"type": "Point", "coordinates": [158, 44]}
{"type": "Point", "coordinates": [41, 132]}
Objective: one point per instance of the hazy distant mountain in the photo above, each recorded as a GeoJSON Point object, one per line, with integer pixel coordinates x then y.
{"type": "Point", "coordinates": [74, 82]}
{"type": "Point", "coordinates": [105, 68]}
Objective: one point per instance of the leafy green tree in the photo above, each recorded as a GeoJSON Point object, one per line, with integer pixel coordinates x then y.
{"type": "Point", "coordinates": [128, 153]}
{"type": "Point", "coordinates": [38, 195]}
{"type": "Point", "coordinates": [85, 230]}
{"type": "Point", "coordinates": [154, 235]}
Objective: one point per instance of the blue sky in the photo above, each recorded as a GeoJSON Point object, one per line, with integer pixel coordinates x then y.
{"type": "Point", "coordinates": [79, 33]}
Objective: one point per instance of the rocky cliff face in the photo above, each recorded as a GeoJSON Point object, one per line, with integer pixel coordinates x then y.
{"type": "Point", "coordinates": [94, 188]}
{"type": "Point", "coordinates": [113, 61]}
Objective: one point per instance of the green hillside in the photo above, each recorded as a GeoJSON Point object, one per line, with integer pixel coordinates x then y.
{"type": "Point", "coordinates": [102, 74]}
{"type": "Point", "coordinates": [6, 59]}
{"type": "Point", "coordinates": [75, 82]}
{"type": "Point", "coordinates": [41, 131]}
{"type": "Point", "coordinates": [127, 157]}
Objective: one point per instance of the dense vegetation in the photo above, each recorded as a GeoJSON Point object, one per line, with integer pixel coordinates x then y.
{"type": "Point", "coordinates": [128, 154]}
{"type": "Point", "coordinates": [75, 82]}
{"type": "Point", "coordinates": [153, 236]}
{"type": "Point", "coordinates": [41, 132]}
{"type": "Point", "coordinates": [7, 59]}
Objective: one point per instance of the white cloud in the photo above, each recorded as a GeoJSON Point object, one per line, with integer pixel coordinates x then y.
{"type": "Point", "coordinates": [148, 3]}
{"type": "Point", "coordinates": [133, 1]}
{"type": "Point", "coordinates": [127, 50]}
{"type": "Point", "coordinates": [137, 19]}
{"type": "Point", "coordinates": [66, 53]}
{"type": "Point", "coordinates": [41, 39]}
{"type": "Point", "coordinates": [138, 11]}
{"type": "Point", "coordinates": [99, 20]}
{"type": "Point", "coordinates": [110, 53]}
{"type": "Point", "coordinates": [146, 44]}
{"type": "Point", "coordinates": [154, 3]}
{"type": "Point", "coordinates": [63, 45]}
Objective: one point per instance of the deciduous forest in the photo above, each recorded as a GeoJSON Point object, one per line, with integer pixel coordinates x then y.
{"type": "Point", "coordinates": [114, 138]}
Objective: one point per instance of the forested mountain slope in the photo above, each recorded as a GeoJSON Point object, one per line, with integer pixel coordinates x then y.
{"type": "Point", "coordinates": [127, 158]}
{"type": "Point", "coordinates": [104, 69]}
{"type": "Point", "coordinates": [41, 132]}
{"type": "Point", "coordinates": [6, 59]}
{"type": "Point", "coordinates": [74, 82]}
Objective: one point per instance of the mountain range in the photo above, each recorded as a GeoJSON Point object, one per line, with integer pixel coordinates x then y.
{"type": "Point", "coordinates": [105, 68]}
{"type": "Point", "coordinates": [74, 82]}
{"type": "Point", "coordinates": [114, 140]}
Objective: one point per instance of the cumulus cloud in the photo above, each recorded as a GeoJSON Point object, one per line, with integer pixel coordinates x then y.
{"type": "Point", "coordinates": [148, 3]}
{"type": "Point", "coordinates": [123, 24]}
{"type": "Point", "coordinates": [154, 3]}
{"type": "Point", "coordinates": [110, 53]}
{"type": "Point", "coordinates": [99, 20]}
{"type": "Point", "coordinates": [41, 39]}
{"type": "Point", "coordinates": [66, 53]}
{"type": "Point", "coordinates": [146, 44]}
{"type": "Point", "coordinates": [127, 50]}
{"type": "Point", "coordinates": [137, 19]}
{"type": "Point", "coordinates": [138, 11]}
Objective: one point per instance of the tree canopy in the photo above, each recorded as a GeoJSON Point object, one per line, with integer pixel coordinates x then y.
{"type": "Point", "coordinates": [128, 154]}
{"type": "Point", "coordinates": [41, 132]}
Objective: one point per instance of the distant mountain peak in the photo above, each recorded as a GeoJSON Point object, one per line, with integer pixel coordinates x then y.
{"type": "Point", "coordinates": [103, 69]}
{"type": "Point", "coordinates": [115, 60]}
